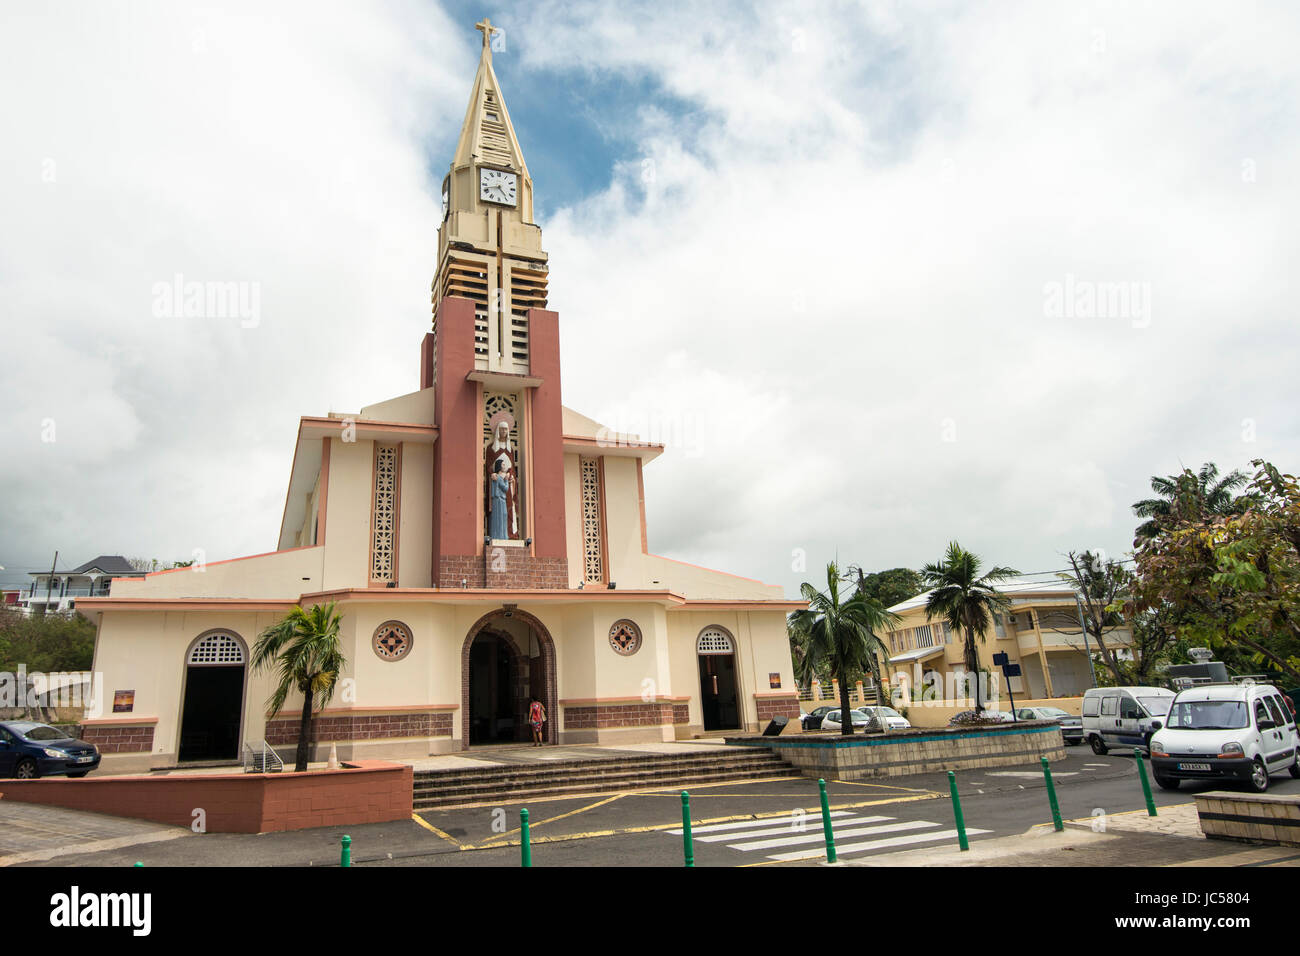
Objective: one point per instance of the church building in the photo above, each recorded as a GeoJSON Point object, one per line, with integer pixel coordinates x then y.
{"type": "Point", "coordinates": [483, 544]}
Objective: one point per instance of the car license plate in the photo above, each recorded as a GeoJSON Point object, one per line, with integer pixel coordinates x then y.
{"type": "Point", "coordinates": [1193, 766]}
{"type": "Point", "coordinates": [85, 759]}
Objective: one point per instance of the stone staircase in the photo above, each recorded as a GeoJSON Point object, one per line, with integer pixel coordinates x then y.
{"type": "Point", "coordinates": [515, 782]}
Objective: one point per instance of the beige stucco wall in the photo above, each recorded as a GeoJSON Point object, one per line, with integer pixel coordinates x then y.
{"type": "Point", "coordinates": [347, 526]}
{"type": "Point", "coordinates": [415, 517]}
{"type": "Point", "coordinates": [279, 575]}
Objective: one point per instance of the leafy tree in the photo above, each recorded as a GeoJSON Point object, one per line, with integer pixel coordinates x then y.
{"type": "Point", "coordinates": [1185, 496]}
{"type": "Point", "coordinates": [305, 651]}
{"type": "Point", "coordinates": [887, 587]}
{"type": "Point", "coordinates": [1231, 579]}
{"type": "Point", "coordinates": [839, 633]}
{"type": "Point", "coordinates": [47, 642]}
{"type": "Point", "coordinates": [1099, 585]}
{"type": "Point", "coordinates": [966, 600]}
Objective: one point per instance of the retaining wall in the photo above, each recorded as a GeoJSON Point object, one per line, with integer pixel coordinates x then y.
{"type": "Point", "coordinates": [903, 752]}
{"type": "Point", "coordinates": [1250, 817]}
{"type": "Point", "coordinates": [366, 791]}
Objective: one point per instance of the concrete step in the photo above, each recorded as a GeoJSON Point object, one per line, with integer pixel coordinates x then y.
{"type": "Point", "coordinates": [595, 767]}
{"type": "Point", "coordinates": [598, 775]}
{"type": "Point", "coordinates": [459, 796]}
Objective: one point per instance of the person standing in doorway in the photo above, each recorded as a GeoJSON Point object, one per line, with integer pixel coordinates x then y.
{"type": "Point", "coordinates": [536, 718]}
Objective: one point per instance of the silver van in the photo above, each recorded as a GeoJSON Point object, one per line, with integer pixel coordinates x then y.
{"type": "Point", "coordinates": [1123, 716]}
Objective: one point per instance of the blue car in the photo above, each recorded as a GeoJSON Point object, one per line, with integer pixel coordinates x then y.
{"type": "Point", "coordinates": [29, 750]}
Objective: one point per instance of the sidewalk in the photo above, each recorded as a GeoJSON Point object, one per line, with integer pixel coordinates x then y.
{"type": "Point", "coordinates": [1133, 838]}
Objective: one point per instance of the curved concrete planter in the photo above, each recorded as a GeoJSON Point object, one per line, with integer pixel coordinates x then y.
{"type": "Point", "coordinates": [915, 751]}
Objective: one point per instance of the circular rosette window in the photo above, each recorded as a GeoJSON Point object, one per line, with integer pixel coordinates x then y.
{"type": "Point", "coordinates": [625, 638]}
{"type": "Point", "coordinates": [392, 640]}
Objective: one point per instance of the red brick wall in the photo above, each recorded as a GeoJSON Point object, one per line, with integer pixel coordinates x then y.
{"type": "Point", "coordinates": [521, 570]}
{"type": "Point", "coordinates": [681, 713]}
{"type": "Point", "coordinates": [284, 730]}
{"type": "Point", "coordinates": [366, 791]}
{"type": "Point", "coordinates": [548, 440]}
{"type": "Point", "coordinates": [119, 740]}
{"type": "Point", "coordinates": [458, 452]}
{"type": "Point", "coordinates": [591, 716]}
{"type": "Point", "coordinates": [769, 707]}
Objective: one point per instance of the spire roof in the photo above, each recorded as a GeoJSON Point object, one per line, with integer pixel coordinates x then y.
{"type": "Point", "coordinates": [487, 135]}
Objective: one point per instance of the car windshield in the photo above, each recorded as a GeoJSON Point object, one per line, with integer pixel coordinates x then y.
{"type": "Point", "coordinates": [1156, 706]}
{"type": "Point", "coordinates": [1053, 712]}
{"type": "Point", "coordinates": [1209, 715]}
{"type": "Point", "coordinates": [39, 732]}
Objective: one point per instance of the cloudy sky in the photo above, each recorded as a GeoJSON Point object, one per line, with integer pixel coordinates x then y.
{"type": "Point", "coordinates": [881, 275]}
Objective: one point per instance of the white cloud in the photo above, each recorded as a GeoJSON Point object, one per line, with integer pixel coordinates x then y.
{"type": "Point", "coordinates": [838, 263]}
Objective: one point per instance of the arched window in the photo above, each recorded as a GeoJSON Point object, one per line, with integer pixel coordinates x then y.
{"type": "Point", "coordinates": [714, 640]}
{"type": "Point", "coordinates": [218, 648]}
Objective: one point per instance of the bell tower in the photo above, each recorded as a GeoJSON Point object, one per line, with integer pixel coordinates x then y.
{"type": "Point", "coordinates": [492, 358]}
{"type": "Point", "coordinates": [489, 247]}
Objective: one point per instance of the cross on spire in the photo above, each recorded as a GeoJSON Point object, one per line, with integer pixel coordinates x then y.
{"type": "Point", "coordinates": [485, 27]}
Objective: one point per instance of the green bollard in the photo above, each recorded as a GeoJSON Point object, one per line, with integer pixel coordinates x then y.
{"type": "Point", "coordinates": [1146, 784]}
{"type": "Point", "coordinates": [956, 812]}
{"type": "Point", "coordinates": [347, 852]}
{"type": "Point", "coordinates": [826, 823]}
{"type": "Point", "coordinates": [138, 863]}
{"type": "Point", "coordinates": [525, 847]}
{"type": "Point", "coordinates": [1051, 796]}
{"type": "Point", "coordinates": [687, 847]}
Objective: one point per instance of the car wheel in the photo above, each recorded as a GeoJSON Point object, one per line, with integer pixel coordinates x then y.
{"type": "Point", "coordinates": [1258, 776]}
{"type": "Point", "coordinates": [26, 770]}
{"type": "Point", "coordinates": [1295, 765]}
{"type": "Point", "coordinates": [1167, 783]}
{"type": "Point", "coordinates": [1098, 745]}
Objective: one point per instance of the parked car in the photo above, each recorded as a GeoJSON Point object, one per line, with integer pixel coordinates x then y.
{"type": "Point", "coordinates": [1071, 726]}
{"type": "Point", "coordinates": [1239, 731]}
{"type": "Point", "coordinates": [1123, 716]}
{"type": "Point", "coordinates": [813, 720]}
{"type": "Point", "coordinates": [29, 750]}
{"type": "Point", "coordinates": [893, 719]}
{"type": "Point", "coordinates": [832, 720]}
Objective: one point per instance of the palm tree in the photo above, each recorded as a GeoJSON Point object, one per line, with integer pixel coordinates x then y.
{"type": "Point", "coordinates": [840, 635]}
{"type": "Point", "coordinates": [305, 652]}
{"type": "Point", "coordinates": [966, 600]}
{"type": "Point", "coordinates": [1191, 496]}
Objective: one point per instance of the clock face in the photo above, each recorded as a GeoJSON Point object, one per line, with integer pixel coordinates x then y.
{"type": "Point", "coordinates": [496, 186]}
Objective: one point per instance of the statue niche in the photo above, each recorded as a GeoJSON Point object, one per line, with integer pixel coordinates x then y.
{"type": "Point", "coordinates": [502, 478]}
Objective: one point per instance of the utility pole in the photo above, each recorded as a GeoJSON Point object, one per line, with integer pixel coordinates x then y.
{"type": "Point", "coordinates": [49, 582]}
{"type": "Point", "coordinates": [1087, 652]}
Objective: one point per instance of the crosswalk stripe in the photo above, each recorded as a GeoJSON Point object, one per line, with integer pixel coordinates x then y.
{"type": "Point", "coordinates": [750, 824]}
{"type": "Point", "coordinates": [928, 837]}
{"type": "Point", "coordinates": [820, 837]}
{"type": "Point", "coordinates": [813, 825]}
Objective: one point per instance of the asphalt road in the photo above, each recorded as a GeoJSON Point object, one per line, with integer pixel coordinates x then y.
{"type": "Point", "coordinates": [766, 822]}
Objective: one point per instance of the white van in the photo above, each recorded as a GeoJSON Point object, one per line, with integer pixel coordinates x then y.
{"type": "Point", "coordinates": [1123, 716]}
{"type": "Point", "coordinates": [1242, 731]}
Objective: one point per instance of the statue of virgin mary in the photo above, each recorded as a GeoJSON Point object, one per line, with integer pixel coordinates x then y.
{"type": "Point", "coordinates": [500, 466]}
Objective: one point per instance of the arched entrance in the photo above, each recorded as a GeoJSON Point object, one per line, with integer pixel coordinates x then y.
{"type": "Point", "coordinates": [507, 659]}
{"type": "Point", "coordinates": [213, 708]}
{"type": "Point", "coordinates": [719, 693]}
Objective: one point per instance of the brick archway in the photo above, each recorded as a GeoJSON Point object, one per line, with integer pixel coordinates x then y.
{"type": "Point", "coordinates": [548, 692]}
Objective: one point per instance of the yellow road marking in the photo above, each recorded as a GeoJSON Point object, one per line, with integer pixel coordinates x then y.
{"type": "Point", "coordinates": [432, 829]}
{"type": "Point", "coordinates": [571, 813]}
{"type": "Point", "coordinates": [735, 818]}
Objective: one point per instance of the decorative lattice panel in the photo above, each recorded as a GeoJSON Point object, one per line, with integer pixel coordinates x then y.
{"type": "Point", "coordinates": [217, 649]}
{"type": "Point", "coordinates": [625, 637]}
{"type": "Point", "coordinates": [593, 559]}
{"type": "Point", "coordinates": [392, 640]}
{"type": "Point", "coordinates": [383, 544]}
{"type": "Point", "coordinates": [494, 402]}
{"type": "Point", "coordinates": [714, 640]}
